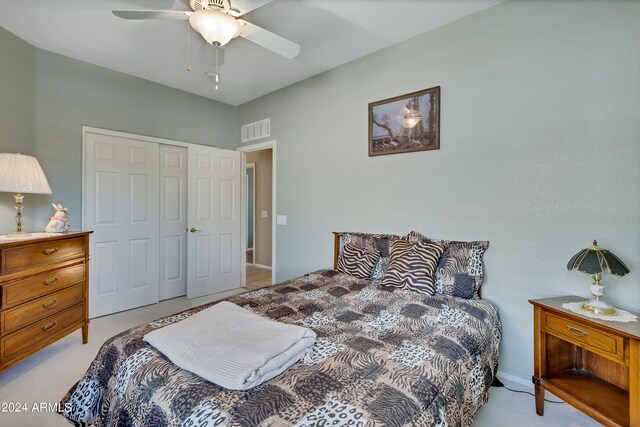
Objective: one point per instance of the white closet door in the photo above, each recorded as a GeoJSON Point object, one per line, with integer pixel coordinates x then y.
{"type": "Point", "coordinates": [213, 264]}
{"type": "Point", "coordinates": [173, 221]}
{"type": "Point", "coordinates": [121, 206]}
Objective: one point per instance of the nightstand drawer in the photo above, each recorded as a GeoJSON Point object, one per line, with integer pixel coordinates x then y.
{"type": "Point", "coordinates": [600, 342]}
{"type": "Point", "coordinates": [25, 314]}
{"type": "Point", "coordinates": [23, 257]}
{"type": "Point", "coordinates": [41, 332]}
{"type": "Point", "coordinates": [20, 291]}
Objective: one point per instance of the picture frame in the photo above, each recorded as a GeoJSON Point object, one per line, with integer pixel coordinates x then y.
{"type": "Point", "coordinates": [405, 123]}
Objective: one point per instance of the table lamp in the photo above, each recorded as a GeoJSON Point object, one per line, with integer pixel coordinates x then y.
{"type": "Point", "coordinates": [594, 260]}
{"type": "Point", "coordinates": [19, 174]}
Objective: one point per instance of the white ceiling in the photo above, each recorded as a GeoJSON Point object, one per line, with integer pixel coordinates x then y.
{"type": "Point", "coordinates": [330, 33]}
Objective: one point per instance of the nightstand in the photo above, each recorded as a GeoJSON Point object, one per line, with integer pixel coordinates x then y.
{"type": "Point", "coordinates": [592, 364]}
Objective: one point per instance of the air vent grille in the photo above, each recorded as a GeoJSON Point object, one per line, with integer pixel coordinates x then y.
{"type": "Point", "coordinates": [256, 130]}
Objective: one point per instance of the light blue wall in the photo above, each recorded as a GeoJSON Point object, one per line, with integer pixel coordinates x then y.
{"type": "Point", "coordinates": [540, 152]}
{"type": "Point", "coordinates": [50, 97]}
{"type": "Point", "coordinates": [17, 107]}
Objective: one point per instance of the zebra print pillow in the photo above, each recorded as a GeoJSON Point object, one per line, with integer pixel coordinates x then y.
{"type": "Point", "coordinates": [460, 270]}
{"type": "Point", "coordinates": [412, 265]}
{"type": "Point", "coordinates": [375, 243]}
{"type": "Point", "coordinates": [357, 262]}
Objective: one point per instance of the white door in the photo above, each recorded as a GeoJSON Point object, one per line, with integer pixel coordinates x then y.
{"type": "Point", "coordinates": [173, 221]}
{"type": "Point", "coordinates": [214, 245]}
{"type": "Point", "coordinates": [121, 206]}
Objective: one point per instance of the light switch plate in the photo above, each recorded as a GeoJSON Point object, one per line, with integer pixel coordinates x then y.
{"type": "Point", "coordinates": [281, 220]}
{"type": "Point", "coordinates": [264, 214]}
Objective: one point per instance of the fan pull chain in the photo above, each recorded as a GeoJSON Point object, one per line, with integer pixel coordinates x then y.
{"type": "Point", "coordinates": [217, 67]}
{"type": "Point", "coordinates": [188, 47]}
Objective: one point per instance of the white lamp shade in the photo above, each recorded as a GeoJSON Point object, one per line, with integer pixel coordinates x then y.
{"type": "Point", "coordinates": [20, 173]}
{"type": "Point", "coordinates": [216, 27]}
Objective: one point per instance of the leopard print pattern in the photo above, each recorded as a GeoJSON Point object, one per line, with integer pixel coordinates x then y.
{"type": "Point", "coordinates": [206, 415]}
{"type": "Point", "coordinates": [474, 265]}
{"type": "Point", "coordinates": [83, 402]}
{"type": "Point", "coordinates": [334, 413]}
{"type": "Point", "coordinates": [383, 356]}
{"type": "Point", "coordinates": [132, 364]}
{"type": "Point", "coordinates": [322, 349]}
{"type": "Point", "coordinates": [385, 321]}
{"type": "Point", "coordinates": [452, 316]}
{"type": "Point", "coordinates": [412, 355]}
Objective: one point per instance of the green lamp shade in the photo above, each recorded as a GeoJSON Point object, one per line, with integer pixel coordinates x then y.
{"type": "Point", "coordinates": [594, 260]}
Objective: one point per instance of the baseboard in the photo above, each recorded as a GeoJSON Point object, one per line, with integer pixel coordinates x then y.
{"type": "Point", "coordinates": [514, 379]}
{"type": "Point", "coordinates": [262, 266]}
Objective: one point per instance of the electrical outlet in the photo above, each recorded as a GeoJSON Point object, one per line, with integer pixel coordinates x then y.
{"type": "Point", "coordinates": [264, 214]}
{"type": "Point", "coordinates": [281, 220]}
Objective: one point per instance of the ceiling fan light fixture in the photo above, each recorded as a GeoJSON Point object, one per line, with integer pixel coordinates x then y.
{"type": "Point", "coordinates": [216, 27]}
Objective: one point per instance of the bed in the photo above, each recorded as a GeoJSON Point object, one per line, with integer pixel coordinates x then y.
{"type": "Point", "coordinates": [384, 356]}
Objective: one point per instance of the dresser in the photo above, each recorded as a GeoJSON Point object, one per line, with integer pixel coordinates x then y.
{"type": "Point", "coordinates": [591, 364]}
{"type": "Point", "coordinates": [43, 292]}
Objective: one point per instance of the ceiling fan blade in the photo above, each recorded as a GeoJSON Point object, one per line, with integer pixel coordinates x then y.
{"type": "Point", "coordinates": [151, 14]}
{"type": "Point", "coordinates": [269, 40]}
{"type": "Point", "coordinates": [246, 6]}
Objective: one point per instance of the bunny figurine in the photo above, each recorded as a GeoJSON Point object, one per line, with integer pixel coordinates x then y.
{"type": "Point", "coordinates": [58, 222]}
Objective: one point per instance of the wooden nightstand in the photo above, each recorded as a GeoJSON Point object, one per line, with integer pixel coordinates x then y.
{"type": "Point", "coordinates": [592, 364]}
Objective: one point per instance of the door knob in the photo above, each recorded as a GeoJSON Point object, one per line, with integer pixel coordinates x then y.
{"type": "Point", "coordinates": [193, 229]}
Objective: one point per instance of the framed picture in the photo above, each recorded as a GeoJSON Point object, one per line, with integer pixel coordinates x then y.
{"type": "Point", "coordinates": [405, 123]}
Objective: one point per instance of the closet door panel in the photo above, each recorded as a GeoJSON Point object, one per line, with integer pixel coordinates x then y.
{"type": "Point", "coordinates": [120, 200]}
{"type": "Point", "coordinates": [213, 245]}
{"type": "Point", "coordinates": [173, 221]}
{"type": "Point", "coordinates": [140, 196]}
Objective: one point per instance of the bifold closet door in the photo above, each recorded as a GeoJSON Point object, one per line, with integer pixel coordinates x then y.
{"type": "Point", "coordinates": [173, 221]}
{"type": "Point", "coordinates": [213, 241]}
{"type": "Point", "coordinates": [120, 203]}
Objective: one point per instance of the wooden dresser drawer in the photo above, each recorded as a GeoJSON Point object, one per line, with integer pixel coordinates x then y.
{"type": "Point", "coordinates": [27, 256]}
{"type": "Point", "coordinates": [43, 292]}
{"type": "Point", "coordinates": [597, 341]}
{"type": "Point", "coordinates": [41, 332]}
{"type": "Point", "coordinates": [20, 291]}
{"type": "Point", "coordinates": [40, 308]}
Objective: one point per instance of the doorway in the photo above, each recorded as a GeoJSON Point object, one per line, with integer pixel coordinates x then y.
{"type": "Point", "coordinates": [259, 207]}
{"type": "Point", "coordinates": [251, 202]}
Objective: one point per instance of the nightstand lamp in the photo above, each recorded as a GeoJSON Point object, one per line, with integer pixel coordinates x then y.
{"type": "Point", "coordinates": [594, 260]}
{"type": "Point", "coordinates": [19, 174]}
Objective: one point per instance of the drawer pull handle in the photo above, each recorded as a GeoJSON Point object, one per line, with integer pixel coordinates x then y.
{"type": "Point", "coordinates": [50, 326]}
{"type": "Point", "coordinates": [50, 282]}
{"type": "Point", "coordinates": [577, 332]}
{"type": "Point", "coordinates": [49, 251]}
{"type": "Point", "coordinates": [50, 303]}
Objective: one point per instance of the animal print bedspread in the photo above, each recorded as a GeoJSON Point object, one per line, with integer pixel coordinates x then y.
{"type": "Point", "coordinates": [384, 357]}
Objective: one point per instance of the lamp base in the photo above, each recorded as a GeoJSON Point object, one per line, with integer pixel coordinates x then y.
{"type": "Point", "coordinates": [598, 307]}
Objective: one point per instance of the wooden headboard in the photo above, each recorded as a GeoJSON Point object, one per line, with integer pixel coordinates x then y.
{"type": "Point", "coordinates": [336, 247]}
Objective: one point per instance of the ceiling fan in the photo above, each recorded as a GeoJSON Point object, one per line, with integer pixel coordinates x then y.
{"type": "Point", "coordinates": [218, 23]}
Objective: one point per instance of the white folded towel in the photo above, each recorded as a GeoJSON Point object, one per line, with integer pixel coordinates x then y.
{"type": "Point", "coordinates": [231, 346]}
